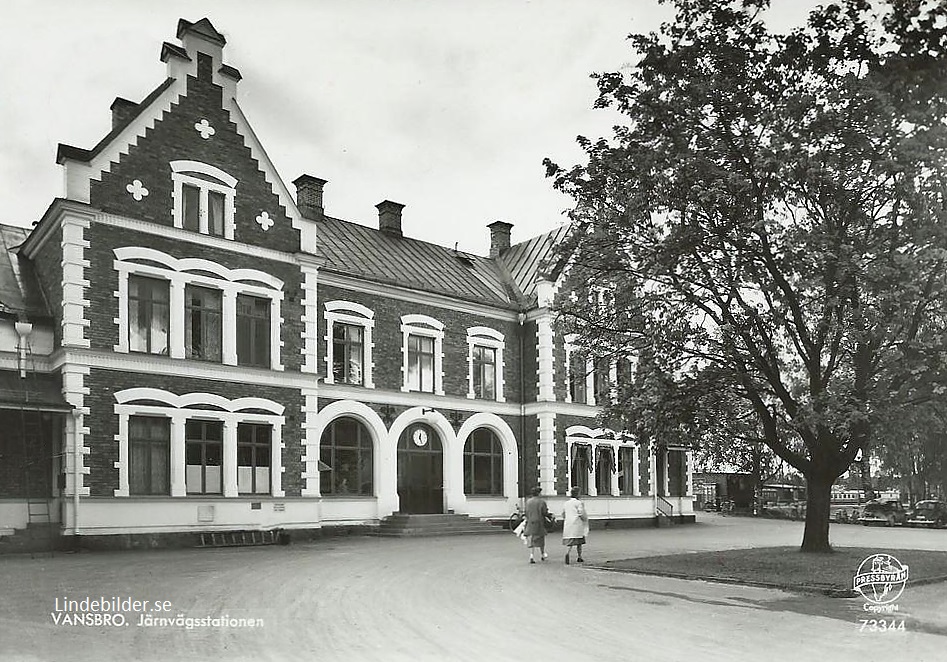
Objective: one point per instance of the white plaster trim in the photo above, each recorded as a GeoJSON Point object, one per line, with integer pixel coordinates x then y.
{"type": "Point", "coordinates": [545, 357]}
{"type": "Point", "coordinates": [231, 283]}
{"type": "Point", "coordinates": [74, 283]}
{"type": "Point", "coordinates": [349, 312]}
{"type": "Point", "coordinates": [130, 395]}
{"type": "Point", "coordinates": [130, 135]}
{"type": "Point", "coordinates": [546, 450]}
{"type": "Point", "coordinates": [384, 472]}
{"type": "Point", "coordinates": [310, 319]}
{"type": "Point", "coordinates": [190, 237]}
{"type": "Point", "coordinates": [184, 265]}
{"type": "Point", "coordinates": [179, 178]}
{"type": "Point", "coordinates": [507, 441]}
{"type": "Point", "coordinates": [178, 409]}
{"type": "Point", "coordinates": [483, 336]}
{"type": "Point", "coordinates": [453, 455]}
{"type": "Point", "coordinates": [306, 227]}
{"type": "Point", "coordinates": [423, 325]}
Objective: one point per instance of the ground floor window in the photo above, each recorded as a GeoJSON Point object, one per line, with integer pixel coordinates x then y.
{"type": "Point", "coordinates": [626, 470]}
{"type": "Point", "coordinates": [604, 469]}
{"type": "Point", "coordinates": [149, 455]}
{"type": "Point", "coordinates": [483, 464]}
{"type": "Point", "coordinates": [254, 446]}
{"type": "Point", "coordinates": [581, 465]}
{"type": "Point", "coordinates": [346, 454]}
{"type": "Point", "coordinates": [204, 450]}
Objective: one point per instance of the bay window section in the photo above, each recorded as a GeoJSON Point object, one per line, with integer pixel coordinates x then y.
{"type": "Point", "coordinates": [149, 455]}
{"type": "Point", "coordinates": [148, 315]}
{"type": "Point", "coordinates": [626, 470]}
{"type": "Point", "coordinates": [254, 448]}
{"type": "Point", "coordinates": [202, 330]}
{"type": "Point", "coordinates": [204, 450]}
{"type": "Point", "coordinates": [253, 331]}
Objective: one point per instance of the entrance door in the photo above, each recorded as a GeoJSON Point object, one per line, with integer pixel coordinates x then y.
{"type": "Point", "coordinates": [420, 470]}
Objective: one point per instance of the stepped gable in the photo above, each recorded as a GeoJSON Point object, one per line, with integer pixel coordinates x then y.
{"type": "Point", "coordinates": [20, 292]}
{"type": "Point", "coordinates": [192, 116]}
{"type": "Point", "coordinates": [357, 250]}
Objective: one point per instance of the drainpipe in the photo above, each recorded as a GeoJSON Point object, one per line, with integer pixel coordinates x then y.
{"type": "Point", "coordinates": [76, 457]}
{"type": "Point", "coordinates": [23, 330]}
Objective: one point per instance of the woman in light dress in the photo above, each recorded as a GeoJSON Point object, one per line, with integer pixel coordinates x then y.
{"type": "Point", "coordinates": [575, 525]}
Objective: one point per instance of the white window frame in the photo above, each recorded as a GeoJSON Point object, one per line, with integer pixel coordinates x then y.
{"type": "Point", "coordinates": [423, 325]}
{"type": "Point", "coordinates": [182, 172]}
{"type": "Point", "coordinates": [483, 336]}
{"type": "Point", "coordinates": [595, 439]}
{"type": "Point", "coordinates": [180, 408]}
{"type": "Point", "coordinates": [181, 272]}
{"type": "Point", "coordinates": [348, 312]}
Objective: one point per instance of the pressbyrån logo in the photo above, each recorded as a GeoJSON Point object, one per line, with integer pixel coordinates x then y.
{"type": "Point", "coordinates": [880, 579]}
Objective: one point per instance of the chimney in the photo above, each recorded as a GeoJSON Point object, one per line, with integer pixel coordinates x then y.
{"type": "Point", "coordinates": [122, 109]}
{"type": "Point", "coordinates": [309, 196]}
{"type": "Point", "coordinates": [499, 237]}
{"type": "Point", "coordinates": [389, 217]}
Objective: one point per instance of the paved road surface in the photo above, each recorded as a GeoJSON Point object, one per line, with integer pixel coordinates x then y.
{"type": "Point", "coordinates": [471, 598]}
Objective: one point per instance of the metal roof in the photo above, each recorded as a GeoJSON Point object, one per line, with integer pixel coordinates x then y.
{"type": "Point", "coordinates": [358, 250]}
{"type": "Point", "coordinates": [20, 293]}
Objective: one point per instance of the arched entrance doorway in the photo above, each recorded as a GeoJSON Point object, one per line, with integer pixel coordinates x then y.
{"type": "Point", "coordinates": [420, 470]}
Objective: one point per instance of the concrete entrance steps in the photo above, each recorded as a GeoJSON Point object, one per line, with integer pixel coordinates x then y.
{"type": "Point", "coordinates": [402, 525]}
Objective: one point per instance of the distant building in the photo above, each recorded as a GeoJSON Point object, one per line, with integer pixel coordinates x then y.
{"type": "Point", "coordinates": [188, 347]}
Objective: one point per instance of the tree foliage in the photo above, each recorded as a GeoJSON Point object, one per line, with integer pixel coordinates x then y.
{"type": "Point", "coordinates": [771, 222]}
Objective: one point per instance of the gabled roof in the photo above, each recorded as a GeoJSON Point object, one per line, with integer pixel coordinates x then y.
{"type": "Point", "coordinates": [85, 155]}
{"type": "Point", "coordinates": [357, 250]}
{"type": "Point", "coordinates": [530, 259]}
{"type": "Point", "coordinates": [20, 292]}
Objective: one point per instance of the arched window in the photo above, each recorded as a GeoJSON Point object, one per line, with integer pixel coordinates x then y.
{"type": "Point", "coordinates": [346, 454]}
{"type": "Point", "coordinates": [483, 464]}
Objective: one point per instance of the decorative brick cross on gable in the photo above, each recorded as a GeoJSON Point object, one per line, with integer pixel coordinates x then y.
{"type": "Point", "coordinates": [137, 189]}
{"type": "Point", "coordinates": [265, 221]}
{"type": "Point", "coordinates": [205, 129]}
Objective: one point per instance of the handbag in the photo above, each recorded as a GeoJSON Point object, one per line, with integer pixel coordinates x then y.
{"type": "Point", "coordinates": [550, 522]}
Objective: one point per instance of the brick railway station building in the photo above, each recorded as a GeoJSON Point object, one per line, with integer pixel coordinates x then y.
{"type": "Point", "coordinates": [186, 346]}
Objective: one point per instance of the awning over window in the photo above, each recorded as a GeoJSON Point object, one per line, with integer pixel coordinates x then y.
{"type": "Point", "coordinates": [36, 392]}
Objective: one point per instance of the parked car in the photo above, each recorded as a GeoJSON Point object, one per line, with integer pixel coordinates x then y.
{"type": "Point", "coordinates": [928, 513]}
{"type": "Point", "coordinates": [883, 511]}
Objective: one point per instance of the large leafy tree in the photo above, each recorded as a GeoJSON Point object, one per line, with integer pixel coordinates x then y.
{"type": "Point", "coordinates": [772, 211]}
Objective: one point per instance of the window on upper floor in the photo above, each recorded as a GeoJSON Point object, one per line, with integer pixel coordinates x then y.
{"type": "Point", "coordinates": [349, 343]}
{"type": "Point", "coordinates": [204, 198]}
{"type": "Point", "coordinates": [422, 354]}
{"type": "Point", "coordinates": [485, 359]}
{"type": "Point", "coordinates": [420, 363]}
{"type": "Point", "coordinates": [484, 372]}
{"type": "Point", "coordinates": [197, 309]}
{"type": "Point", "coordinates": [148, 315]}
{"type": "Point", "coordinates": [601, 381]}
{"type": "Point", "coordinates": [202, 323]}
{"type": "Point", "coordinates": [253, 331]}
{"type": "Point", "coordinates": [578, 377]}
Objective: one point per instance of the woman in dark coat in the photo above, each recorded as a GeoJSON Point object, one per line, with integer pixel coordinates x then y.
{"type": "Point", "coordinates": [536, 513]}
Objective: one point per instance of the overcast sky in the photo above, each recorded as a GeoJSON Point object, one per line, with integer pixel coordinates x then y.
{"type": "Point", "coordinates": [448, 107]}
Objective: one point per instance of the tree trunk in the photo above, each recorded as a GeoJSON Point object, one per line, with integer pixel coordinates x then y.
{"type": "Point", "coordinates": [818, 499]}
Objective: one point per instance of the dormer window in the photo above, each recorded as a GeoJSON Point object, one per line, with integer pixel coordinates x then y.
{"type": "Point", "coordinates": [203, 198]}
